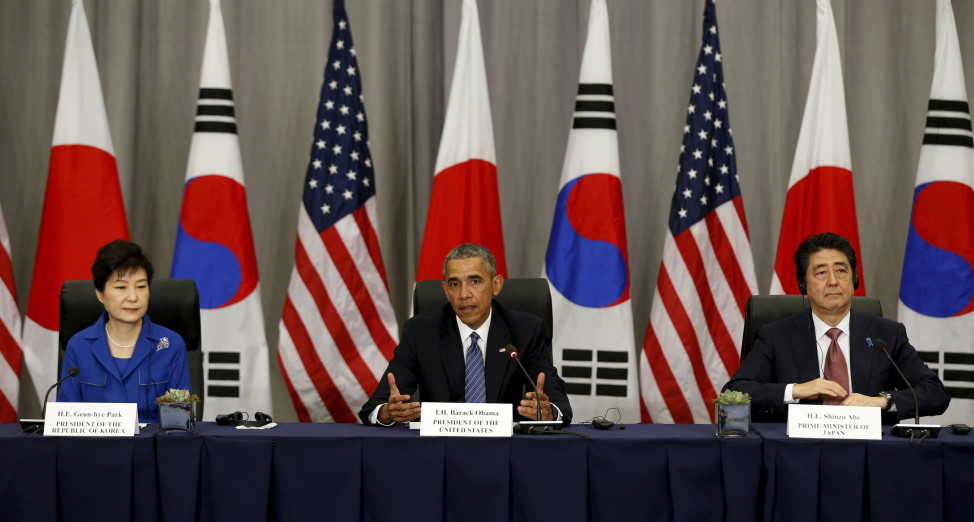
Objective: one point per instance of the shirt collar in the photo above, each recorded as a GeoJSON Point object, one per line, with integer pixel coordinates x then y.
{"type": "Point", "coordinates": [821, 328]}
{"type": "Point", "coordinates": [465, 330]}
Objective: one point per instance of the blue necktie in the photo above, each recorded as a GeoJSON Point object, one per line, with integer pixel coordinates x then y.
{"type": "Point", "coordinates": [475, 389]}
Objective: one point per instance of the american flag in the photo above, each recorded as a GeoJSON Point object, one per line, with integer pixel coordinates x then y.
{"type": "Point", "coordinates": [10, 345]}
{"type": "Point", "coordinates": [338, 328]}
{"type": "Point", "coordinates": [707, 271]}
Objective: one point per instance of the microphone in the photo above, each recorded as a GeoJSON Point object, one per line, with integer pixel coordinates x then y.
{"type": "Point", "coordinates": [537, 426]}
{"type": "Point", "coordinates": [35, 425]}
{"type": "Point", "coordinates": [513, 355]}
{"type": "Point", "coordinates": [906, 430]}
{"type": "Point", "coordinates": [72, 372]}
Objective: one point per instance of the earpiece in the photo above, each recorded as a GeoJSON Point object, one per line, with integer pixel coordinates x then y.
{"type": "Point", "coordinates": [240, 419]}
{"type": "Point", "coordinates": [960, 429]}
{"type": "Point", "coordinates": [603, 423]}
{"type": "Point", "coordinates": [229, 418]}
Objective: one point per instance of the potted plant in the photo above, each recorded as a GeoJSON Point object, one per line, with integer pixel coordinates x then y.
{"type": "Point", "coordinates": [177, 411]}
{"type": "Point", "coordinates": [733, 414]}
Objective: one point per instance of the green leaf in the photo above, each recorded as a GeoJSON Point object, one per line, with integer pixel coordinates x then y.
{"type": "Point", "coordinates": [732, 397]}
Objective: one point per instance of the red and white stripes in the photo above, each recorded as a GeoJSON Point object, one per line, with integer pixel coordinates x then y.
{"type": "Point", "coordinates": [338, 329]}
{"type": "Point", "coordinates": [11, 352]}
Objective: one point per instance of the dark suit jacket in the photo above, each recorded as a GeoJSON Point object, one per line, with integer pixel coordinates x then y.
{"type": "Point", "coordinates": [430, 357]}
{"type": "Point", "coordinates": [785, 352]}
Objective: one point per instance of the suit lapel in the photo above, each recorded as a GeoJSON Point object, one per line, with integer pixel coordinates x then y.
{"type": "Point", "coordinates": [495, 362]}
{"type": "Point", "coordinates": [861, 357]}
{"type": "Point", "coordinates": [451, 353]}
{"type": "Point", "coordinates": [143, 348]}
{"type": "Point", "coordinates": [806, 353]}
{"type": "Point", "coordinates": [100, 350]}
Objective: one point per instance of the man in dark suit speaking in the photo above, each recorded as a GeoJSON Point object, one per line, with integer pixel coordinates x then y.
{"type": "Point", "coordinates": [455, 354]}
{"type": "Point", "coordinates": [821, 355]}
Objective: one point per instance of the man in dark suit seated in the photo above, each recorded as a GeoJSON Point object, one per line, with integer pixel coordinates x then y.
{"type": "Point", "coordinates": [809, 357]}
{"type": "Point", "coordinates": [458, 354]}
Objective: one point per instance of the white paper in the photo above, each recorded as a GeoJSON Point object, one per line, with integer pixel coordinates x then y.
{"type": "Point", "coordinates": [458, 419]}
{"type": "Point", "coordinates": [816, 421]}
{"type": "Point", "coordinates": [91, 419]}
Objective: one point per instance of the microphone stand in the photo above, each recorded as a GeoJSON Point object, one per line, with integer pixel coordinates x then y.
{"type": "Point", "coordinates": [916, 429]}
{"type": "Point", "coordinates": [33, 426]}
{"type": "Point", "coordinates": [535, 426]}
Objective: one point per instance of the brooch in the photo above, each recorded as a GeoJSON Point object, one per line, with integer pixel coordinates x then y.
{"type": "Point", "coordinates": [163, 344]}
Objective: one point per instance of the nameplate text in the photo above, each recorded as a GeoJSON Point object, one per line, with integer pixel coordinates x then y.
{"type": "Point", "coordinates": [91, 419]}
{"type": "Point", "coordinates": [457, 419]}
{"type": "Point", "coordinates": [816, 421]}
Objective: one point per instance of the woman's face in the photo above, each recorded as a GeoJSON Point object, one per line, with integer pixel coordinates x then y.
{"type": "Point", "coordinates": [126, 296]}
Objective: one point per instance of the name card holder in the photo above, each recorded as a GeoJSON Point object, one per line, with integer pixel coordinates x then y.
{"type": "Point", "coordinates": [91, 419]}
{"type": "Point", "coordinates": [458, 419]}
{"type": "Point", "coordinates": [815, 421]}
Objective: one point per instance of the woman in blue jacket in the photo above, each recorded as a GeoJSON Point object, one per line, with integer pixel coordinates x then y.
{"type": "Point", "coordinates": [124, 357]}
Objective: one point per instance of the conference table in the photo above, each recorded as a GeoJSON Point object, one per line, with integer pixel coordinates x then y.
{"type": "Point", "coordinates": [351, 472]}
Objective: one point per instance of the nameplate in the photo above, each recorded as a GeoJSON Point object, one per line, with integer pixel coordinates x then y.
{"type": "Point", "coordinates": [814, 421]}
{"type": "Point", "coordinates": [91, 419]}
{"type": "Point", "coordinates": [459, 419]}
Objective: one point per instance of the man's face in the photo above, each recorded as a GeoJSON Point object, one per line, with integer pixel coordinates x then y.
{"type": "Point", "coordinates": [470, 289]}
{"type": "Point", "coordinates": [829, 282]}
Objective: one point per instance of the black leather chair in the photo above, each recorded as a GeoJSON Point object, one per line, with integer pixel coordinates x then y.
{"type": "Point", "coordinates": [173, 303]}
{"type": "Point", "coordinates": [530, 295]}
{"type": "Point", "coordinates": [763, 309]}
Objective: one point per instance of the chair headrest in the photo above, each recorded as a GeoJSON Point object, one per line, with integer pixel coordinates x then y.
{"type": "Point", "coordinates": [531, 295]}
{"type": "Point", "coordinates": [173, 303]}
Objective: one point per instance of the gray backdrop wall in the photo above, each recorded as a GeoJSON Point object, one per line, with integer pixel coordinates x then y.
{"type": "Point", "coordinates": [149, 54]}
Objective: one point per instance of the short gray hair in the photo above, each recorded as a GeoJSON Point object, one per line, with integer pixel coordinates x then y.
{"type": "Point", "coordinates": [468, 250]}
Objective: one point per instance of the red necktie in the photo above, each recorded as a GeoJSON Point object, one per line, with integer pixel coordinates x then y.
{"type": "Point", "coordinates": [835, 368]}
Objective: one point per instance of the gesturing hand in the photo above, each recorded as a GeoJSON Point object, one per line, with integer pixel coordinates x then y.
{"type": "Point", "coordinates": [529, 405]}
{"type": "Point", "coordinates": [397, 408]}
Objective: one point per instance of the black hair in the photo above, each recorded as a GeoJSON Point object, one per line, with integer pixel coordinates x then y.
{"type": "Point", "coordinates": [469, 250]}
{"type": "Point", "coordinates": [819, 242]}
{"type": "Point", "coordinates": [119, 256]}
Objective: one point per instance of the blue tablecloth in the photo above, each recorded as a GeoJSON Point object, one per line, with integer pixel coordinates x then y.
{"type": "Point", "coordinates": [77, 478]}
{"type": "Point", "coordinates": [887, 480]}
{"type": "Point", "coordinates": [344, 472]}
{"type": "Point", "coordinates": [351, 472]}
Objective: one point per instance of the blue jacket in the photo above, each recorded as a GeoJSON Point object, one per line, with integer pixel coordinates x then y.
{"type": "Point", "coordinates": [158, 364]}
